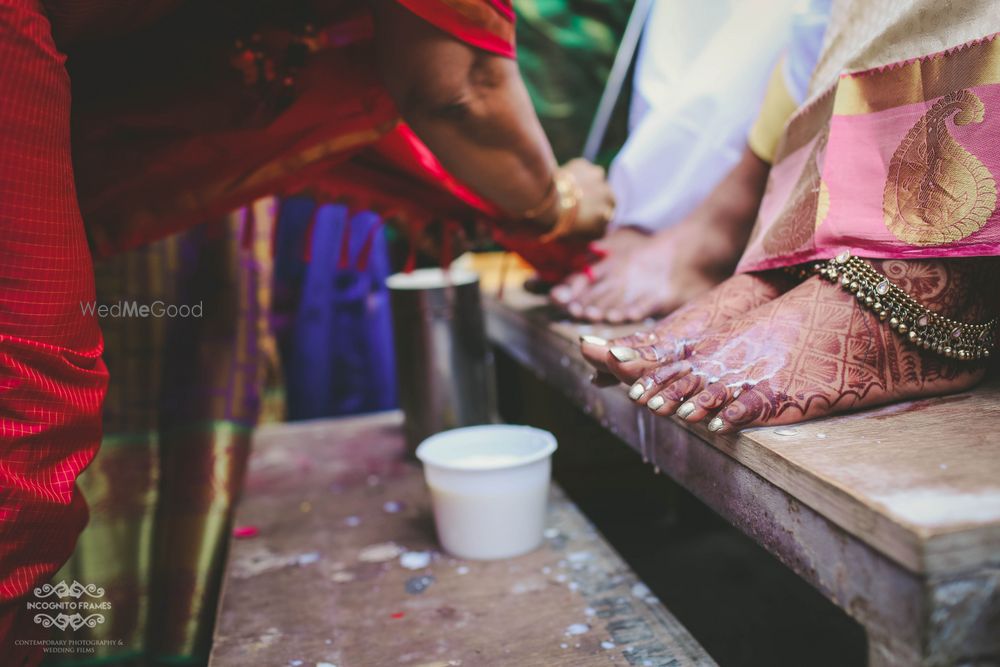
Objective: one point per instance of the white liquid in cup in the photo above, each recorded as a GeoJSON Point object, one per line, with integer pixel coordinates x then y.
{"type": "Point", "coordinates": [489, 486]}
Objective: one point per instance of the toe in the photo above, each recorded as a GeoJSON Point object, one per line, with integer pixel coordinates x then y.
{"type": "Point", "coordinates": [561, 294]}
{"type": "Point", "coordinates": [674, 394]}
{"type": "Point", "coordinates": [650, 385]}
{"type": "Point", "coordinates": [705, 402]}
{"type": "Point", "coordinates": [598, 299]}
{"type": "Point", "coordinates": [753, 407]}
{"type": "Point", "coordinates": [595, 350]}
{"type": "Point", "coordinates": [629, 361]}
{"type": "Point", "coordinates": [642, 389]}
{"type": "Point", "coordinates": [662, 405]}
{"type": "Point", "coordinates": [570, 289]}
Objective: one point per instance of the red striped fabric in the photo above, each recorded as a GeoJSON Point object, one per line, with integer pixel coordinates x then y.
{"type": "Point", "coordinates": [52, 379]}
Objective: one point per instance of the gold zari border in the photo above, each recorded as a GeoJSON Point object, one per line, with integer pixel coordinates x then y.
{"type": "Point", "coordinates": [919, 80]}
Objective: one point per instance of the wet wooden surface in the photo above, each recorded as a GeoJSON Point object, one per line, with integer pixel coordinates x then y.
{"type": "Point", "coordinates": [342, 519]}
{"type": "Point", "coordinates": [894, 513]}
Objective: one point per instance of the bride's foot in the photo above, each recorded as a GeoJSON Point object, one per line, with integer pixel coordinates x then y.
{"type": "Point", "coordinates": [815, 351]}
{"type": "Point", "coordinates": [672, 338]}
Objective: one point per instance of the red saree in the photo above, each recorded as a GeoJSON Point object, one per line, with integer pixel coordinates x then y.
{"type": "Point", "coordinates": [176, 137]}
{"type": "Point", "coordinates": [186, 134]}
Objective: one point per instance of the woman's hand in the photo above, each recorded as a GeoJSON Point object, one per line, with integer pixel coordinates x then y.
{"type": "Point", "coordinates": [597, 201]}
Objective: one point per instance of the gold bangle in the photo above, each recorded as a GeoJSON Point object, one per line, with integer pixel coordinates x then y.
{"type": "Point", "coordinates": [547, 199]}
{"type": "Point", "coordinates": [905, 315]}
{"type": "Point", "coordinates": [569, 206]}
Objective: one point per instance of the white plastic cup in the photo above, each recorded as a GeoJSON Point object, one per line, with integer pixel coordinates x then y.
{"type": "Point", "coordinates": [489, 487]}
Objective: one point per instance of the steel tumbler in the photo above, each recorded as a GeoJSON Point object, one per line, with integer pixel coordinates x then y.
{"type": "Point", "coordinates": [444, 365]}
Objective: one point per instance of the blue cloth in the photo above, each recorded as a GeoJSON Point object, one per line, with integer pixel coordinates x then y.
{"type": "Point", "coordinates": [333, 324]}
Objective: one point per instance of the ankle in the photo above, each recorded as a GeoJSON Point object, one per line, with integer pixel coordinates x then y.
{"type": "Point", "coordinates": [956, 288]}
{"type": "Point", "coordinates": [714, 247]}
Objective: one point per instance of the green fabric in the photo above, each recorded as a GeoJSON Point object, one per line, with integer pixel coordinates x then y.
{"type": "Point", "coordinates": [565, 51]}
{"type": "Point", "coordinates": [181, 404]}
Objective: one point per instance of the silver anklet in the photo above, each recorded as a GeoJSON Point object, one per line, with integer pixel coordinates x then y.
{"type": "Point", "coordinates": [914, 322]}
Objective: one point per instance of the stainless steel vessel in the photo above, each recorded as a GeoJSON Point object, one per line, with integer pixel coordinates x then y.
{"type": "Point", "coordinates": [444, 364]}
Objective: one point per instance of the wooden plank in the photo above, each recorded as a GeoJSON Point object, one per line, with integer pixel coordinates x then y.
{"type": "Point", "coordinates": [337, 506]}
{"type": "Point", "coordinates": [925, 597]}
{"type": "Point", "coordinates": [919, 481]}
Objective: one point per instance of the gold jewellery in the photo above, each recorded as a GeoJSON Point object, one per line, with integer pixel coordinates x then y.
{"type": "Point", "coordinates": [569, 195]}
{"type": "Point", "coordinates": [551, 193]}
{"type": "Point", "coordinates": [565, 194]}
{"type": "Point", "coordinates": [915, 323]}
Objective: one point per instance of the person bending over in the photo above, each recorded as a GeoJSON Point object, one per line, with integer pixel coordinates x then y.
{"type": "Point", "coordinates": [182, 112]}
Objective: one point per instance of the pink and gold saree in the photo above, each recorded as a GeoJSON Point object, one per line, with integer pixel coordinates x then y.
{"type": "Point", "coordinates": [895, 153]}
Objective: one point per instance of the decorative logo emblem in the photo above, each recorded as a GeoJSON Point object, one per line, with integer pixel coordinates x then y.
{"type": "Point", "coordinates": [77, 605]}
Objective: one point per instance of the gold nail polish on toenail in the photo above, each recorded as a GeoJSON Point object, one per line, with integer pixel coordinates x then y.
{"type": "Point", "coordinates": [624, 353]}
{"type": "Point", "coordinates": [655, 403]}
{"type": "Point", "coordinates": [685, 410]}
{"type": "Point", "coordinates": [636, 391]}
{"type": "Point", "coordinates": [715, 424]}
{"type": "Point", "coordinates": [593, 340]}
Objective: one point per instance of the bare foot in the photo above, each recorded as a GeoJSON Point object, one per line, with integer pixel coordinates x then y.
{"type": "Point", "coordinates": [672, 338]}
{"type": "Point", "coordinates": [814, 351]}
{"type": "Point", "coordinates": [645, 275]}
{"type": "Point", "coordinates": [572, 293]}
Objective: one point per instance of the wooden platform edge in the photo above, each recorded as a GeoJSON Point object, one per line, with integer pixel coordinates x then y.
{"type": "Point", "coordinates": [528, 338]}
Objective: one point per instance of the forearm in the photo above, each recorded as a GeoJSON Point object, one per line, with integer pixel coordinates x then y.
{"type": "Point", "coordinates": [491, 140]}
{"type": "Point", "coordinates": [470, 107]}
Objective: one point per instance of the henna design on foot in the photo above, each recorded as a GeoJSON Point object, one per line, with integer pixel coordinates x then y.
{"type": "Point", "coordinates": [672, 338]}
{"type": "Point", "coordinates": [813, 351]}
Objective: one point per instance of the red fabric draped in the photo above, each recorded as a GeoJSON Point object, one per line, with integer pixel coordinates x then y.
{"type": "Point", "coordinates": [172, 126]}
{"type": "Point", "coordinates": [52, 380]}
{"type": "Point", "coordinates": [486, 25]}
{"type": "Point", "coordinates": [180, 138]}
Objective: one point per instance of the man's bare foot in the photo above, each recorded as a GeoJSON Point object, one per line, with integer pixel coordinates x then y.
{"type": "Point", "coordinates": [646, 275]}
{"type": "Point", "coordinates": [672, 338]}
{"type": "Point", "coordinates": [572, 295]}
{"type": "Point", "coordinates": [813, 351]}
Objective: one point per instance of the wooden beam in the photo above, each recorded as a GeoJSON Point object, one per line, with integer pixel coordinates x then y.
{"type": "Point", "coordinates": [884, 512]}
